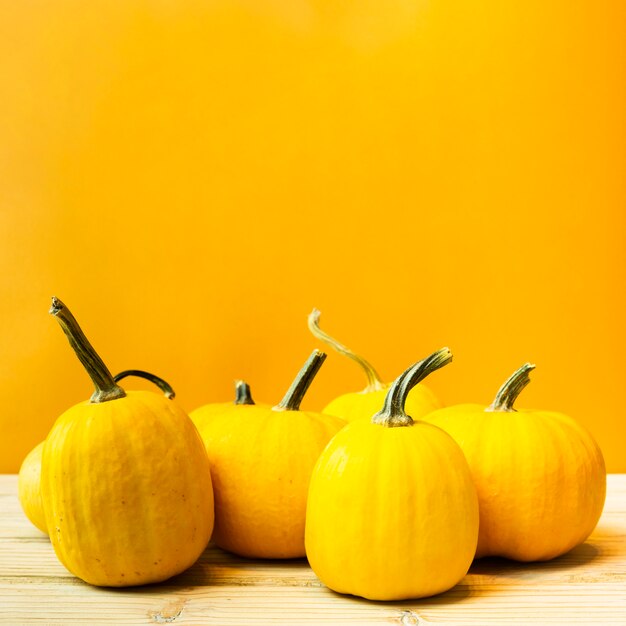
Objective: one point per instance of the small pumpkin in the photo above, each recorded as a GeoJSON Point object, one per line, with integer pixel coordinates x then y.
{"type": "Point", "coordinates": [540, 476]}
{"type": "Point", "coordinates": [125, 480]}
{"type": "Point", "coordinates": [261, 462]}
{"type": "Point", "coordinates": [29, 488]}
{"type": "Point", "coordinates": [363, 404]}
{"type": "Point", "coordinates": [392, 512]}
{"type": "Point", "coordinates": [243, 400]}
{"type": "Point", "coordinates": [29, 478]}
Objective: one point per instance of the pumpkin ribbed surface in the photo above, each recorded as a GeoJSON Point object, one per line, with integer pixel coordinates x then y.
{"type": "Point", "coordinates": [261, 463]}
{"type": "Point", "coordinates": [126, 490]}
{"type": "Point", "coordinates": [392, 512]}
{"type": "Point", "coordinates": [540, 478]}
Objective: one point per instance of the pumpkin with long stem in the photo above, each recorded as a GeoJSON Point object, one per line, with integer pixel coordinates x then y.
{"type": "Point", "coordinates": [261, 462]}
{"type": "Point", "coordinates": [540, 475]}
{"type": "Point", "coordinates": [29, 477]}
{"type": "Point", "coordinates": [363, 404]}
{"type": "Point", "coordinates": [125, 480]}
{"type": "Point", "coordinates": [392, 511]}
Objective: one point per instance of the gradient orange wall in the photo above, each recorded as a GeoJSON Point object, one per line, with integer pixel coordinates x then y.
{"type": "Point", "coordinates": [191, 178]}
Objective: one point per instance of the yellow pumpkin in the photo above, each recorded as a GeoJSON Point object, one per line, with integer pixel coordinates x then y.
{"type": "Point", "coordinates": [363, 404]}
{"type": "Point", "coordinates": [125, 481]}
{"type": "Point", "coordinates": [392, 511]}
{"type": "Point", "coordinates": [29, 478]}
{"type": "Point", "coordinates": [261, 462]}
{"type": "Point", "coordinates": [540, 476]}
{"type": "Point", "coordinates": [29, 488]}
{"type": "Point", "coordinates": [242, 402]}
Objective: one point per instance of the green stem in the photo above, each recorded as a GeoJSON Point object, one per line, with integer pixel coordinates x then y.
{"type": "Point", "coordinates": [106, 388]}
{"type": "Point", "coordinates": [393, 414]}
{"type": "Point", "coordinates": [242, 393]}
{"type": "Point", "coordinates": [374, 382]}
{"type": "Point", "coordinates": [508, 393]}
{"type": "Point", "coordinates": [301, 383]}
{"type": "Point", "coordinates": [163, 385]}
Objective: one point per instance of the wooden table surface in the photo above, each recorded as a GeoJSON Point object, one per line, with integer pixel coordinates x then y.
{"type": "Point", "coordinates": [586, 586]}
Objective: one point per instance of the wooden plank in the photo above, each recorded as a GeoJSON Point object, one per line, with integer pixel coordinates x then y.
{"type": "Point", "coordinates": [586, 586]}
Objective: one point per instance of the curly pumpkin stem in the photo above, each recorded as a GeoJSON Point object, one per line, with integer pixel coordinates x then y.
{"type": "Point", "coordinates": [242, 393]}
{"type": "Point", "coordinates": [163, 385]}
{"type": "Point", "coordinates": [301, 383]}
{"type": "Point", "coordinates": [508, 393]}
{"type": "Point", "coordinates": [374, 382]}
{"type": "Point", "coordinates": [106, 387]}
{"type": "Point", "coordinates": [393, 414]}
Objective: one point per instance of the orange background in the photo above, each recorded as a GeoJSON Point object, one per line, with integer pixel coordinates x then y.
{"type": "Point", "coordinates": [191, 178]}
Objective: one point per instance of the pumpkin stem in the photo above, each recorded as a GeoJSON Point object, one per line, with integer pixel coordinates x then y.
{"type": "Point", "coordinates": [374, 382]}
{"type": "Point", "coordinates": [295, 393]}
{"type": "Point", "coordinates": [508, 393]}
{"type": "Point", "coordinates": [106, 388]}
{"type": "Point", "coordinates": [393, 414]}
{"type": "Point", "coordinates": [163, 385]}
{"type": "Point", "coordinates": [242, 393]}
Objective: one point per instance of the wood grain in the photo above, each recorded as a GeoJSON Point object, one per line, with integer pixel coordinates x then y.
{"type": "Point", "coordinates": [586, 586]}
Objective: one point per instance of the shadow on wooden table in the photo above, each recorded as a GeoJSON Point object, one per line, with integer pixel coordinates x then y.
{"type": "Point", "coordinates": [217, 568]}
{"type": "Point", "coordinates": [577, 558]}
{"type": "Point", "coordinates": [222, 573]}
